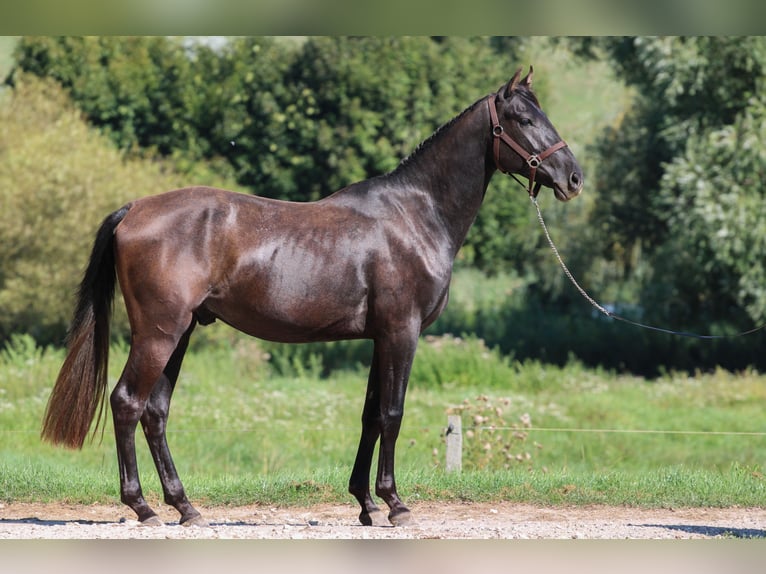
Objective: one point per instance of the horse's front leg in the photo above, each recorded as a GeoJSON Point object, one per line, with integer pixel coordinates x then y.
{"type": "Point", "coordinates": [359, 483]}
{"type": "Point", "coordinates": [395, 362]}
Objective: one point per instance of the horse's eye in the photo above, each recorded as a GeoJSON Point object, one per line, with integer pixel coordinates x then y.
{"type": "Point", "coordinates": [525, 122]}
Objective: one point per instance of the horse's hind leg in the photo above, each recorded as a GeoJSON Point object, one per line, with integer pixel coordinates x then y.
{"type": "Point", "coordinates": [154, 423]}
{"type": "Point", "coordinates": [146, 362]}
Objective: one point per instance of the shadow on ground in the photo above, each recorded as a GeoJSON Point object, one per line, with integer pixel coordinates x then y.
{"type": "Point", "coordinates": [713, 531]}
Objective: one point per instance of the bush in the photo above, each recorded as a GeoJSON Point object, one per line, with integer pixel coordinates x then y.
{"type": "Point", "coordinates": [448, 362]}
{"type": "Point", "coordinates": [58, 180]}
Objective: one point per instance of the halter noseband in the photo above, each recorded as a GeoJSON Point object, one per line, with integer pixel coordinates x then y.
{"type": "Point", "coordinates": [533, 160]}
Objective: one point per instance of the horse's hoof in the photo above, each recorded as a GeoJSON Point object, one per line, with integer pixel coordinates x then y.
{"type": "Point", "coordinates": [374, 518]}
{"type": "Point", "coordinates": [152, 521]}
{"type": "Point", "coordinates": [195, 521]}
{"type": "Point", "coordinates": [400, 517]}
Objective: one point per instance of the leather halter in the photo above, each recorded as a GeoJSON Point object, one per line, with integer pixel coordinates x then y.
{"type": "Point", "coordinates": [533, 160]}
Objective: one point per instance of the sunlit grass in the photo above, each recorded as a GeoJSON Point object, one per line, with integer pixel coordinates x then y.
{"type": "Point", "coordinates": [241, 434]}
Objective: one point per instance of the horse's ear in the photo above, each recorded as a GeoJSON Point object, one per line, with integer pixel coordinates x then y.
{"type": "Point", "coordinates": [527, 81]}
{"type": "Point", "coordinates": [507, 89]}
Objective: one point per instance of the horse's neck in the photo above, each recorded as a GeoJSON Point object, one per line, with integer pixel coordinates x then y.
{"type": "Point", "coordinates": [452, 167]}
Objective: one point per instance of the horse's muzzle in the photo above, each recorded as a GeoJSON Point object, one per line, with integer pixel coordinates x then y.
{"type": "Point", "coordinates": [570, 190]}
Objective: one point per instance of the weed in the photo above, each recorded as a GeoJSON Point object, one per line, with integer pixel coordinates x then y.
{"type": "Point", "coordinates": [495, 436]}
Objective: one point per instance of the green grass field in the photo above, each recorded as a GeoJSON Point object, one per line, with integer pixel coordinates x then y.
{"type": "Point", "coordinates": [241, 434]}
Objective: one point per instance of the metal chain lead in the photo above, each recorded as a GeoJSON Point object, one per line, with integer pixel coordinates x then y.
{"type": "Point", "coordinates": [568, 273]}
{"type": "Point", "coordinates": [613, 315]}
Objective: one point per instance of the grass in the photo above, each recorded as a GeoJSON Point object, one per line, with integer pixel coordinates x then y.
{"type": "Point", "coordinates": [667, 487]}
{"type": "Point", "coordinates": [241, 433]}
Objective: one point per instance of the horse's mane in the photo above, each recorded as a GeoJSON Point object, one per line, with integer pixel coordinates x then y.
{"type": "Point", "coordinates": [529, 94]}
{"type": "Point", "coordinates": [433, 138]}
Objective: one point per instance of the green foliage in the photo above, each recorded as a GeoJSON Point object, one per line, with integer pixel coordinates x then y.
{"type": "Point", "coordinates": [243, 112]}
{"type": "Point", "coordinates": [507, 314]}
{"type": "Point", "coordinates": [705, 80]}
{"type": "Point", "coordinates": [368, 102]}
{"type": "Point", "coordinates": [453, 362]}
{"type": "Point", "coordinates": [58, 180]}
{"type": "Point", "coordinates": [687, 219]}
{"type": "Point", "coordinates": [137, 88]}
{"type": "Point", "coordinates": [715, 197]}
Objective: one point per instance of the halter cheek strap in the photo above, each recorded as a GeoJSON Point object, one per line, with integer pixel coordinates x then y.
{"type": "Point", "coordinates": [533, 160]}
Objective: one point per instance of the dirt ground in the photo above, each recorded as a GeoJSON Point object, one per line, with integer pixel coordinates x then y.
{"type": "Point", "coordinates": [431, 520]}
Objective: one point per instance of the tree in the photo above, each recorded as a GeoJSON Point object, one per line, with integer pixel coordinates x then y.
{"type": "Point", "coordinates": [136, 89]}
{"type": "Point", "coordinates": [715, 197]}
{"type": "Point", "coordinates": [681, 181]}
{"type": "Point", "coordinates": [58, 179]}
{"type": "Point", "coordinates": [289, 120]}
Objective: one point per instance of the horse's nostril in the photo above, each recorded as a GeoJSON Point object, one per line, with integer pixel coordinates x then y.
{"type": "Point", "coordinates": [575, 180]}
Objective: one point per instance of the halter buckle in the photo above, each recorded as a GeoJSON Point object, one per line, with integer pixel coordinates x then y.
{"type": "Point", "coordinates": [534, 161]}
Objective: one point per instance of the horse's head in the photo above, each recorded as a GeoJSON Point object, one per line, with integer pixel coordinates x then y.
{"type": "Point", "coordinates": [532, 147]}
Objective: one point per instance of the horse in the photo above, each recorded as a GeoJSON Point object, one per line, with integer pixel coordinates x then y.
{"type": "Point", "coordinates": [371, 261]}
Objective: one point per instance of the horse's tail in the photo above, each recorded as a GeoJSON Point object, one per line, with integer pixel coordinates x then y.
{"type": "Point", "coordinates": [81, 384]}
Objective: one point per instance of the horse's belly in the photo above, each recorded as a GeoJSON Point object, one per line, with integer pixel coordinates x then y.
{"type": "Point", "coordinates": [291, 320]}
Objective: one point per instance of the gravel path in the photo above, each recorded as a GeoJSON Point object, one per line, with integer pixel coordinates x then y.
{"type": "Point", "coordinates": [431, 521]}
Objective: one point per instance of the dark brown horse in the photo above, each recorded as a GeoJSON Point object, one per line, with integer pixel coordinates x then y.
{"type": "Point", "coordinates": [374, 260]}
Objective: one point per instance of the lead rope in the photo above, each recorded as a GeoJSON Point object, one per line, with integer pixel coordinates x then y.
{"type": "Point", "coordinates": [567, 272]}
{"type": "Point", "coordinates": [611, 315]}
